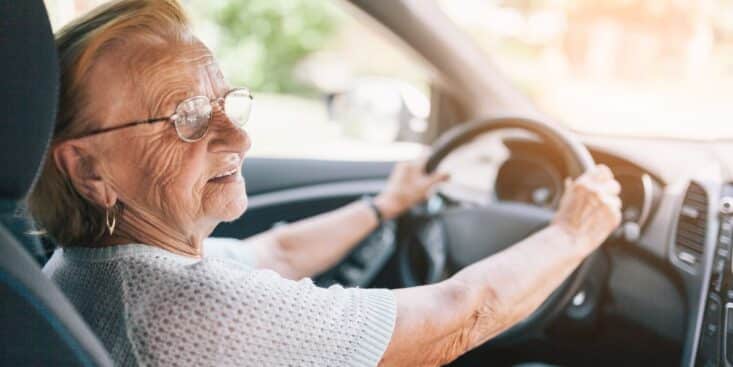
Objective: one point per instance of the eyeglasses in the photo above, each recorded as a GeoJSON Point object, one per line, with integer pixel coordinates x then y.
{"type": "Point", "coordinates": [193, 115]}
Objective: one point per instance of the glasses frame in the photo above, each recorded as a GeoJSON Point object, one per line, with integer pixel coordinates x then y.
{"type": "Point", "coordinates": [216, 104]}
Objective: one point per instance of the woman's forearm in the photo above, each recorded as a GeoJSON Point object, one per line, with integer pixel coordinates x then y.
{"type": "Point", "coordinates": [310, 246]}
{"type": "Point", "coordinates": [438, 323]}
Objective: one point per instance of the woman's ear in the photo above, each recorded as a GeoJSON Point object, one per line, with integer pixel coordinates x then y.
{"type": "Point", "coordinates": [73, 161]}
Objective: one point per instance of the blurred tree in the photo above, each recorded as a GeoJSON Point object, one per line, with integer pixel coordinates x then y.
{"type": "Point", "coordinates": [261, 41]}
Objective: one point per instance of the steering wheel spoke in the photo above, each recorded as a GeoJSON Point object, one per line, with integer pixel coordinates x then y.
{"type": "Point", "coordinates": [432, 240]}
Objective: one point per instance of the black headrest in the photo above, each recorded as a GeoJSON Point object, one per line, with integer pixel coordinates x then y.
{"type": "Point", "coordinates": [29, 76]}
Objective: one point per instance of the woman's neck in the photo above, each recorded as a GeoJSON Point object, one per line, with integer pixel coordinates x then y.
{"type": "Point", "coordinates": [175, 247]}
{"type": "Point", "coordinates": [137, 227]}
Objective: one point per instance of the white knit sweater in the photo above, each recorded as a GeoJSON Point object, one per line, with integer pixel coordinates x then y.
{"type": "Point", "coordinates": [151, 307]}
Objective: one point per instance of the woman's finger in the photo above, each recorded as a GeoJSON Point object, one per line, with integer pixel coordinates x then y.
{"type": "Point", "coordinates": [604, 172]}
{"type": "Point", "coordinates": [600, 173]}
{"type": "Point", "coordinates": [613, 202]}
{"type": "Point", "coordinates": [615, 207]}
{"type": "Point", "coordinates": [439, 177]}
{"type": "Point", "coordinates": [595, 175]}
{"type": "Point", "coordinates": [611, 187]}
{"type": "Point", "coordinates": [421, 161]}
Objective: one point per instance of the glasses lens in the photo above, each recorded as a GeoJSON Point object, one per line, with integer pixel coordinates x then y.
{"type": "Point", "coordinates": [237, 106]}
{"type": "Point", "coordinates": [192, 118]}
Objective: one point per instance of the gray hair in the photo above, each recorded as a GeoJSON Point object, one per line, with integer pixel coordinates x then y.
{"type": "Point", "coordinates": [58, 209]}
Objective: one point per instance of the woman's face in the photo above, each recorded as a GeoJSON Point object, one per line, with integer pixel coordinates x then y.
{"type": "Point", "coordinates": [158, 177]}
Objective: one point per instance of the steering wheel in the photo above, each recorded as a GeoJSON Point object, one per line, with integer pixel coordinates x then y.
{"type": "Point", "coordinates": [454, 237]}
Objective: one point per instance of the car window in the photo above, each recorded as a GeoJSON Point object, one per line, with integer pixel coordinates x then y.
{"type": "Point", "coordinates": [326, 84]}
{"type": "Point", "coordinates": [632, 67]}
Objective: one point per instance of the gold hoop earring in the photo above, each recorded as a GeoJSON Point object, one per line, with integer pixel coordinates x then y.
{"type": "Point", "coordinates": [111, 222]}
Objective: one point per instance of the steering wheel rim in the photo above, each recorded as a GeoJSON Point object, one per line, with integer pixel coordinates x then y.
{"type": "Point", "coordinates": [577, 159]}
{"type": "Point", "coordinates": [575, 153]}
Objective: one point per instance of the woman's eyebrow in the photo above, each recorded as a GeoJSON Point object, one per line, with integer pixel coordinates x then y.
{"type": "Point", "coordinates": [166, 102]}
{"type": "Point", "coordinates": [178, 88]}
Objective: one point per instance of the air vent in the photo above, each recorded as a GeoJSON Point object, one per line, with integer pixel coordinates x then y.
{"type": "Point", "coordinates": [692, 225]}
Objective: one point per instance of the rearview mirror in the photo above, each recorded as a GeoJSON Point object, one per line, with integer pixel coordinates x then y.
{"type": "Point", "coordinates": [380, 110]}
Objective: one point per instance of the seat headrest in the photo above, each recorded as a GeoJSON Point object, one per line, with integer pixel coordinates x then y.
{"type": "Point", "coordinates": [29, 75]}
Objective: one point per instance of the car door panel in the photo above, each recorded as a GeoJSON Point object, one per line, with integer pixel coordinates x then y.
{"type": "Point", "coordinates": [273, 174]}
{"type": "Point", "coordinates": [286, 190]}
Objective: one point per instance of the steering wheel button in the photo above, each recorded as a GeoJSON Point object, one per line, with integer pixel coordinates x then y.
{"type": "Point", "coordinates": [579, 299]}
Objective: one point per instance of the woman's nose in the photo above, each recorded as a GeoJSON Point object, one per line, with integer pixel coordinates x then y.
{"type": "Point", "coordinates": [227, 136]}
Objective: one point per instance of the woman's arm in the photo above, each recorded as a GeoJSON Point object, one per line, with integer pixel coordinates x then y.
{"type": "Point", "coordinates": [309, 246]}
{"type": "Point", "coordinates": [437, 323]}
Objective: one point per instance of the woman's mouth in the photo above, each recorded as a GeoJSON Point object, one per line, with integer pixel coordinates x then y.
{"type": "Point", "coordinates": [231, 175]}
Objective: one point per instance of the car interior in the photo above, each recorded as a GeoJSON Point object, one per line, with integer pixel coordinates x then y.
{"type": "Point", "coordinates": [659, 292]}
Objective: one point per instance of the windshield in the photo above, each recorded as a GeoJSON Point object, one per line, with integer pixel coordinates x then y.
{"type": "Point", "coordinates": [623, 67]}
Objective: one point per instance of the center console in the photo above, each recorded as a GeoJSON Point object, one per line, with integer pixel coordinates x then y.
{"type": "Point", "coordinates": [715, 343]}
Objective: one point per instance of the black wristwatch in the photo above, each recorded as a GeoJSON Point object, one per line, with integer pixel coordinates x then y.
{"type": "Point", "coordinates": [369, 200]}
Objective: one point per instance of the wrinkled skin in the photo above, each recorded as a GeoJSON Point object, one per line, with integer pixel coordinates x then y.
{"type": "Point", "coordinates": [161, 181]}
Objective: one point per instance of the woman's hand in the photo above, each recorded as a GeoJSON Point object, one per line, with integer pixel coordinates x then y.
{"type": "Point", "coordinates": [407, 185]}
{"type": "Point", "coordinates": [438, 322]}
{"type": "Point", "coordinates": [313, 245]}
{"type": "Point", "coordinates": [590, 208]}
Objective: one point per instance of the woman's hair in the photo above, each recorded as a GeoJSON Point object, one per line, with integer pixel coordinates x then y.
{"type": "Point", "coordinates": [128, 27]}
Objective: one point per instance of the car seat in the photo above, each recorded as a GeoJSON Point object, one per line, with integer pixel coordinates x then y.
{"type": "Point", "coordinates": [38, 325]}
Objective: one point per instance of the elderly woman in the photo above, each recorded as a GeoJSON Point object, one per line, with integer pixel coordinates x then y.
{"type": "Point", "coordinates": [146, 161]}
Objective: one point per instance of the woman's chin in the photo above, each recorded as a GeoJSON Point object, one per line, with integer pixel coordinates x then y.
{"type": "Point", "coordinates": [235, 210]}
{"type": "Point", "coordinates": [230, 204]}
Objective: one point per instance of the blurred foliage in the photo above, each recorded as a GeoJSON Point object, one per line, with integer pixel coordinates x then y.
{"type": "Point", "coordinates": [261, 41]}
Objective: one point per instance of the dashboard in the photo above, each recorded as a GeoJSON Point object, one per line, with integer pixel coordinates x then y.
{"type": "Point", "coordinates": [670, 261]}
{"type": "Point", "coordinates": [672, 257]}
{"type": "Point", "coordinates": [714, 335]}
{"type": "Point", "coordinates": [534, 176]}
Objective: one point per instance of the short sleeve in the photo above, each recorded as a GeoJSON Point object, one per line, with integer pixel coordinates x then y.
{"type": "Point", "coordinates": [230, 249]}
{"type": "Point", "coordinates": [216, 314]}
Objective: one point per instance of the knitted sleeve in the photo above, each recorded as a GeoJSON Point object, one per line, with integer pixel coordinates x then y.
{"type": "Point", "coordinates": [213, 313]}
